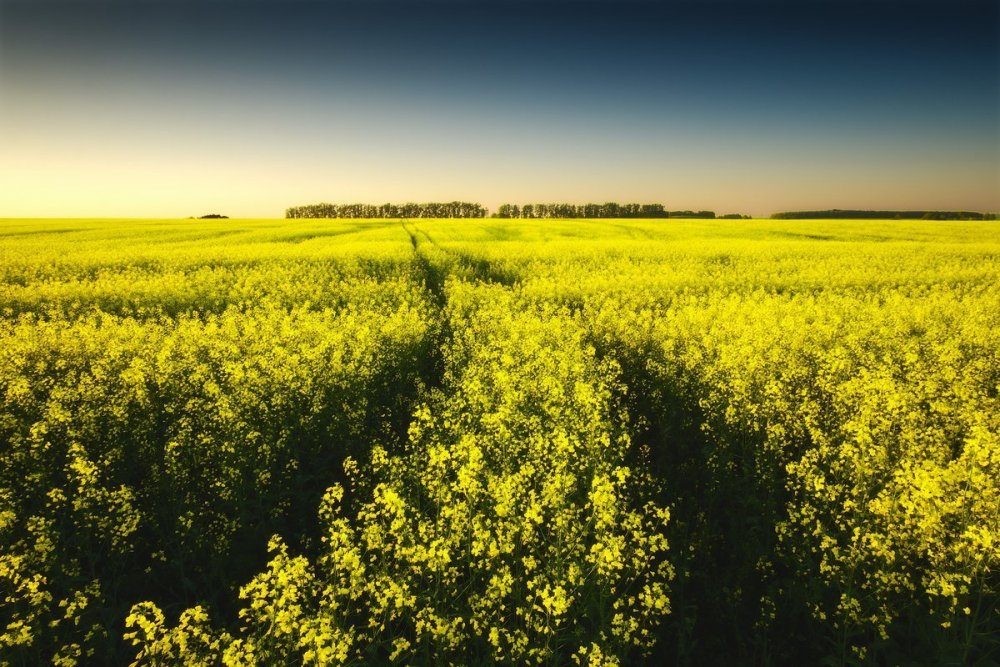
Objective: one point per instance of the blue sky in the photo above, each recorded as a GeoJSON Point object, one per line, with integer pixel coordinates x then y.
{"type": "Point", "coordinates": [157, 108]}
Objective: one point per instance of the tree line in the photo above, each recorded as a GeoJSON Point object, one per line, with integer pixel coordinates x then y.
{"type": "Point", "coordinates": [454, 209]}
{"type": "Point", "coordinates": [606, 210]}
{"type": "Point", "coordinates": [884, 215]}
{"type": "Point", "coordinates": [459, 209]}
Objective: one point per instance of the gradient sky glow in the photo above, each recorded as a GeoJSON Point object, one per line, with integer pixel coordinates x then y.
{"type": "Point", "coordinates": [153, 108]}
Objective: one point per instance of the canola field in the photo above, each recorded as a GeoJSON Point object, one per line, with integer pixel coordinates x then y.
{"type": "Point", "coordinates": [474, 442]}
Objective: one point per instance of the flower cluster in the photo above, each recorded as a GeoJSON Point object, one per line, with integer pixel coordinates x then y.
{"type": "Point", "coordinates": [511, 527]}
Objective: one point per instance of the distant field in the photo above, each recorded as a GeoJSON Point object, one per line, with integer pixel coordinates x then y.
{"type": "Point", "coordinates": [469, 442]}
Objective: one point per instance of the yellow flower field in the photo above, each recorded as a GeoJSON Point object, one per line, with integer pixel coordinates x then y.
{"type": "Point", "coordinates": [484, 441]}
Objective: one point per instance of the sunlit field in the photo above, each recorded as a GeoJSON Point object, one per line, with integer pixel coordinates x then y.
{"type": "Point", "coordinates": [499, 441]}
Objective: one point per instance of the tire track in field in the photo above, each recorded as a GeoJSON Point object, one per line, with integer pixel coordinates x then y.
{"type": "Point", "coordinates": [478, 268]}
{"type": "Point", "coordinates": [433, 276]}
{"type": "Point", "coordinates": [723, 520]}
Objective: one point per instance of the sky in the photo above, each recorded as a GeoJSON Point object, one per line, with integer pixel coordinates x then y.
{"type": "Point", "coordinates": [160, 108]}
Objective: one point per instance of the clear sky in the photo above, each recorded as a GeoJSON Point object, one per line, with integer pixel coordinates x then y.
{"type": "Point", "coordinates": [154, 108]}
